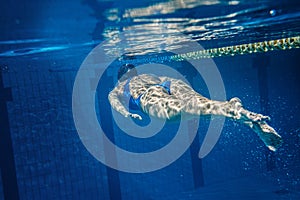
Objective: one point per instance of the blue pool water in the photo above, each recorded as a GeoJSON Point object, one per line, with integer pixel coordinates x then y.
{"type": "Point", "coordinates": [43, 46]}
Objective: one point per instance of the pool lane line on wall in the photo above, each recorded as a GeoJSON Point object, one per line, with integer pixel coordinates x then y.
{"type": "Point", "coordinates": [242, 49]}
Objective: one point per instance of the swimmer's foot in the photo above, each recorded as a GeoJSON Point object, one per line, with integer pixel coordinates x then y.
{"type": "Point", "coordinates": [268, 135]}
{"type": "Point", "coordinates": [255, 121]}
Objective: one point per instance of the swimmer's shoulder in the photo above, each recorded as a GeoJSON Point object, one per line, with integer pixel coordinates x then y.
{"type": "Point", "coordinates": [146, 78]}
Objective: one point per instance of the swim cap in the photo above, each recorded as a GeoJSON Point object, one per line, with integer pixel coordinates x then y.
{"type": "Point", "coordinates": [125, 69]}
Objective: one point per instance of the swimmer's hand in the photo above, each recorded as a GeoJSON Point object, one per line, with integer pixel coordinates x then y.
{"type": "Point", "coordinates": [136, 116]}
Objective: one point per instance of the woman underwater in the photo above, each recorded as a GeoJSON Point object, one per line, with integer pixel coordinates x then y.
{"type": "Point", "coordinates": [168, 98]}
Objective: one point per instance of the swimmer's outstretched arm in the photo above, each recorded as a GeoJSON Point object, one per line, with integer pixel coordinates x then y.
{"type": "Point", "coordinates": [115, 102]}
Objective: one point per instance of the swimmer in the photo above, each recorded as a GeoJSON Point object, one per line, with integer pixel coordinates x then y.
{"type": "Point", "coordinates": [168, 98]}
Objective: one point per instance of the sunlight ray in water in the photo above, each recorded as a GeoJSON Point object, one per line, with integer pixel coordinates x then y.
{"type": "Point", "coordinates": [27, 41]}
{"type": "Point", "coordinates": [39, 49]}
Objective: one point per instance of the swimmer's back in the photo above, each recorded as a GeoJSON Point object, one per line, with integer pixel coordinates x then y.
{"type": "Point", "coordinates": [139, 84]}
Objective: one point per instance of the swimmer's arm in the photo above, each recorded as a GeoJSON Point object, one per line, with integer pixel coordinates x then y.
{"type": "Point", "coordinates": [117, 105]}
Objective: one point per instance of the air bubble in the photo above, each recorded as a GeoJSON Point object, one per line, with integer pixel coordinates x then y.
{"type": "Point", "coordinates": [273, 12]}
{"type": "Point", "coordinates": [4, 68]}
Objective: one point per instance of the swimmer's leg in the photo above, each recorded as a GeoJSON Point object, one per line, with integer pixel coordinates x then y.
{"type": "Point", "coordinates": [234, 110]}
{"type": "Point", "coordinates": [195, 104]}
{"type": "Point", "coordinates": [257, 122]}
